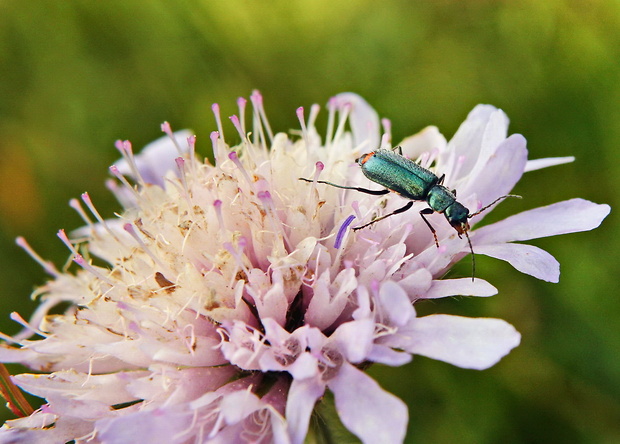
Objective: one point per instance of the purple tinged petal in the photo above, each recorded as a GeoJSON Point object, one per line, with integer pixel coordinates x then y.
{"type": "Point", "coordinates": [355, 339]}
{"type": "Point", "coordinates": [363, 119]}
{"type": "Point", "coordinates": [495, 132]}
{"type": "Point", "coordinates": [537, 164]}
{"type": "Point", "coordinates": [43, 428]}
{"type": "Point", "coordinates": [471, 130]}
{"type": "Point", "coordinates": [525, 258]}
{"type": "Point", "coordinates": [330, 297]}
{"type": "Point", "coordinates": [302, 396]}
{"type": "Point", "coordinates": [395, 303]}
{"type": "Point", "coordinates": [146, 426]}
{"type": "Point", "coordinates": [367, 410]}
{"type": "Point", "coordinates": [500, 174]}
{"type": "Point", "coordinates": [237, 405]}
{"type": "Point", "coordinates": [463, 286]}
{"type": "Point", "coordinates": [428, 139]}
{"type": "Point", "coordinates": [476, 343]}
{"type": "Point", "coordinates": [388, 356]}
{"type": "Point", "coordinates": [569, 216]}
{"type": "Point", "coordinates": [483, 125]}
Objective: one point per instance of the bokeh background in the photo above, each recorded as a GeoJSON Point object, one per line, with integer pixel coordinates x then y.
{"type": "Point", "coordinates": [77, 75]}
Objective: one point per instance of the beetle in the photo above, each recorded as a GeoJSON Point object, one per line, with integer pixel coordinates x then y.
{"type": "Point", "coordinates": [415, 183]}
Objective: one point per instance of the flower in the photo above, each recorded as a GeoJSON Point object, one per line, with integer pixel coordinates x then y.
{"type": "Point", "coordinates": [228, 297]}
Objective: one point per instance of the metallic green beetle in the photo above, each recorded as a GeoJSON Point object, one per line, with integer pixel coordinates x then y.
{"type": "Point", "coordinates": [407, 178]}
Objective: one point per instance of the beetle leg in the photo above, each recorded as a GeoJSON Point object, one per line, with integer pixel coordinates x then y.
{"type": "Point", "coordinates": [399, 148]}
{"type": "Point", "coordinates": [430, 211]}
{"type": "Point", "coordinates": [440, 181]}
{"type": "Point", "coordinates": [400, 210]}
{"type": "Point", "coordinates": [361, 190]}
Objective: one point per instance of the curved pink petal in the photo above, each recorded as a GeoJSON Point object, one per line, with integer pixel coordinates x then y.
{"type": "Point", "coordinates": [538, 164]}
{"type": "Point", "coordinates": [500, 174]}
{"type": "Point", "coordinates": [468, 137]}
{"type": "Point", "coordinates": [355, 339]}
{"type": "Point", "coordinates": [367, 410]}
{"type": "Point", "coordinates": [476, 343]}
{"type": "Point", "coordinates": [159, 425]}
{"type": "Point", "coordinates": [569, 216]}
{"type": "Point", "coordinates": [388, 356]}
{"type": "Point", "coordinates": [525, 258]}
{"type": "Point", "coordinates": [396, 303]}
{"type": "Point", "coordinates": [302, 396]}
{"type": "Point", "coordinates": [463, 286]}
{"type": "Point", "coordinates": [428, 139]}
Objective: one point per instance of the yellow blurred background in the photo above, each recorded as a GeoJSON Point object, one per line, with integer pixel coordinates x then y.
{"type": "Point", "coordinates": [77, 75]}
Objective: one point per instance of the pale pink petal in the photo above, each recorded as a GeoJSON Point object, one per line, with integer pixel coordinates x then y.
{"type": "Point", "coordinates": [41, 428]}
{"type": "Point", "coordinates": [273, 303]}
{"type": "Point", "coordinates": [469, 135]}
{"type": "Point", "coordinates": [388, 356]}
{"type": "Point", "coordinates": [330, 297]}
{"type": "Point", "coordinates": [501, 173]}
{"type": "Point", "coordinates": [161, 425]}
{"type": "Point", "coordinates": [367, 410]}
{"type": "Point", "coordinates": [355, 339]}
{"type": "Point", "coordinates": [108, 389]}
{"type": "Point", "coordinates": [395, 303]}
{"type": "Point", "coordinates": [302, 396]}
{"type": "Point", "coordinates": [462, 286]}
{"type": "Point", "coordinates": [525, 258]}
{"type": "Point", "coordinates": [428, 139]}
{"type": "Point", "coordinates": [473, 135]}
{"type": "Point", "coordinates": [476, 343]}
{"type": "Point", "coordinates": [537, 164]}
{"type": "Point", "coordinates": [493, 135]}
{"type": "Point", "coordinates": [238, 405]}
{"type": "Point", "coordinates": [569, 216]}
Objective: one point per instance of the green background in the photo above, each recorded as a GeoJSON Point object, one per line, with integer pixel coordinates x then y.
{"type": "Point", "coordinates": [77, 75]}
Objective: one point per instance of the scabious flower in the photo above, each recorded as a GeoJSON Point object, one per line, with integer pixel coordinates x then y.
{"type": "Point", "coordinates": [226, 298]}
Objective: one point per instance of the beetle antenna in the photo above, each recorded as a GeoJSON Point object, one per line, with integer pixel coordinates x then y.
{"type": "Point", "coordinates": [469, 216]}
{"type": "Point", "coordinates": [473, 258]}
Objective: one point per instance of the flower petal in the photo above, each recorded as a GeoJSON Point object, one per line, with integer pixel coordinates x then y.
{"type": "Point", "coordinates": [476, 343]}
{"type": "Point", "coordinates": [159, 425]}
{"type": "Point", "coordinates": [302, 396]}
{"type": "Point", "coordinates": [464, 286]}
{"type": "Point", "coordinates": [367, 410]}
{"type": "Point", "coordinates": [525, 258]}
{"type": "Point", "coordinates": [428, 139]}
{"type": "Point", "coordinates": [500, 173]}
{"type": "Point", "coordinates": [537, 164]}
{"type": "Point", "coordinates": [396, 303]}
{"type": "Point", "coordinates": [355, 339]}
{"type": "Point", "coordinates": [569, 216]}
{"type": "Point", "coordinates": [476, 139]}
{"type": "Point", "coordinates": [388, 356]}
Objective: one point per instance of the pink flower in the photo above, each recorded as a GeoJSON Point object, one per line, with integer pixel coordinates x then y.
{"type": "Point", "coordinates": [230, 297]}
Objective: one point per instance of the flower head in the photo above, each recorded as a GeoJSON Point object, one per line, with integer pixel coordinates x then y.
{"type": "Point", "coordinates": [227, 297]}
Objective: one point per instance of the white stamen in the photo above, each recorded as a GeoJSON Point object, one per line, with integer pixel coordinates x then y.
{"type": "Point", "coordinates": [218, 119]}
{"type": "Point", "coordinates": [101, 220]}
{"type": "Point", "coordinates": [165, 127]}
{"type": "Point", "coordinates": [48, 266]}
{"type": "Point", "coordinates": [124, 146]}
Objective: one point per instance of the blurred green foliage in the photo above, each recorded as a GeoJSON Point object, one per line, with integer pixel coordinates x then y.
{"type": "Point", "coordinates": [77, 75]}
